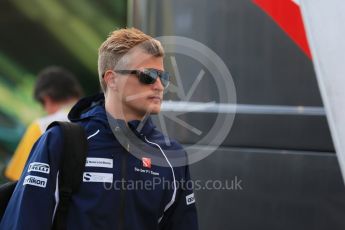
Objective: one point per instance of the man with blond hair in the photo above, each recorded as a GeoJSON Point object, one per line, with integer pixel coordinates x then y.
{"type": "Point", "coordinates": [134, 177]}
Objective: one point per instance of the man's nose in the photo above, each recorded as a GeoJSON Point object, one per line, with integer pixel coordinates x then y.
{"type": "Point", "coordinates": [158, 85]}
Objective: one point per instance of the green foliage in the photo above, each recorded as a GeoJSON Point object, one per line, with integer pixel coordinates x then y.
{"type": "Point", "coordinates": [75, 28]}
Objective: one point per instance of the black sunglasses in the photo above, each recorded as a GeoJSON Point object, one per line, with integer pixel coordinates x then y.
{"type": "Point", "coordinates": [149, 76]}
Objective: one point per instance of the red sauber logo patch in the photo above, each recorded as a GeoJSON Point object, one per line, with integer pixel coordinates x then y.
{"type": "Point", "coordinates": [146, 162]}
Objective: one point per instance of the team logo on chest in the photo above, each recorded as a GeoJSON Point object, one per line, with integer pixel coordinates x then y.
{"type": "Point", "coordinates": [146, 167]}
{"type": "Point", "coordinates": [146, 162]}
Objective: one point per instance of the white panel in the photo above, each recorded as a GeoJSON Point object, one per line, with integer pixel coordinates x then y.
{"type": "Point", "coordinates": [325, 25]}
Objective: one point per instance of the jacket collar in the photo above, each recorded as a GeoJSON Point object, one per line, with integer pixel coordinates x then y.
{"type": "Point", "coordinates": [92, 107]}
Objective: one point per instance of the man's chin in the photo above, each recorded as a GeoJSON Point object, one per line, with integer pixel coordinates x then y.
{"type": "Point", "coordinates": [154, 110]}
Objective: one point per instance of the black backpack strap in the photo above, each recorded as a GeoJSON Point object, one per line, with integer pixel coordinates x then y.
{"type": "Point", "coordinates": [6, 191]}
{"type": "Point", "coordinates": [71, 168]}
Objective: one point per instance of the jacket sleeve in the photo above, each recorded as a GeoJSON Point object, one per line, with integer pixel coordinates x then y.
{"type": "Point", "coordinates": [183, 214]}
{"type": "Point", "coordinates": [33, 201]}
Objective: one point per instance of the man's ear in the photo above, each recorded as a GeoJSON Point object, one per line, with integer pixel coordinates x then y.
{"type": "Point", "coordinates": [110, 78]}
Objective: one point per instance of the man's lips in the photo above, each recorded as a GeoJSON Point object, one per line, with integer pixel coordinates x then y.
{"type": "Point", "coordinates": [144, 95]}
{"type": "Point", "coordinates": [155, 98]}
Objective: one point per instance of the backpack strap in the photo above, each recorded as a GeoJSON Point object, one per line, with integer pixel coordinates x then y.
{"type": "Point", "coordinates": [71, 168]}
{"type": "Point", "coordinates": [6, 191]}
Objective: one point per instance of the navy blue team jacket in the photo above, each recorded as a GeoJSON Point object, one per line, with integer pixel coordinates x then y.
{"type": "Point", "coordinates": [113, 193]}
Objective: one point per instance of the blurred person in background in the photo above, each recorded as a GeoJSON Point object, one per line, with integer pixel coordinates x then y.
{"type": "Point", "coordinates": [57, 90]}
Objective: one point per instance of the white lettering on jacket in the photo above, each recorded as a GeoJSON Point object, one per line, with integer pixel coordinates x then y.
{"type": "Point", "coordinates": [99, 162]}
{"type": "Point", "coordinates": [98, 177]}
{"type": "Point", "coordinates": [35, 181]}
{"type": "Point", "coordinates": [39, 167]}
{"type": "Point", "coordinates": [190, 199]}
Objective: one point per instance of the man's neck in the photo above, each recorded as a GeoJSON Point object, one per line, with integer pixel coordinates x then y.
{"type": "Point", "coordinates": [57, 106]}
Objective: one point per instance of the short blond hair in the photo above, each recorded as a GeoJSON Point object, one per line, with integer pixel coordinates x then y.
{"type": "Point", "coordinates": [120, 42]}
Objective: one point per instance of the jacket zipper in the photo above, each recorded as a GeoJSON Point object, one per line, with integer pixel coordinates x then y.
{"type": "Point", "coordinates": [123, 191]}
